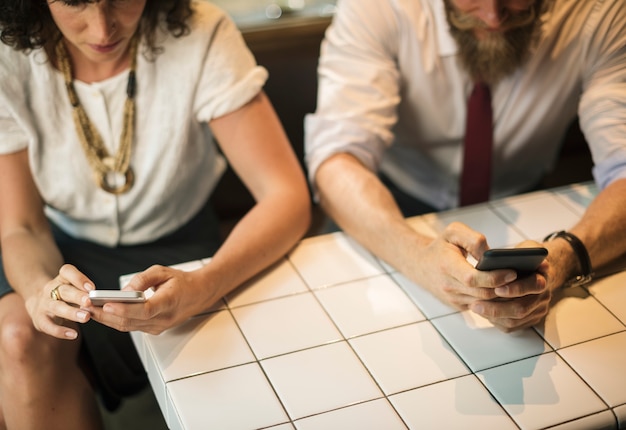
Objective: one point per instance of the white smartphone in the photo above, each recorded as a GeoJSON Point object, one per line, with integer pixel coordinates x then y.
{"type": "Point", "coordinates": [100, 297]}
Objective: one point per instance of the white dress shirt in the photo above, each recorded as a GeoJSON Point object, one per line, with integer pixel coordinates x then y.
{"type": "Point", "coordinates": [196, 78]}
{"type": "Point", "coordinates": [392, 93]}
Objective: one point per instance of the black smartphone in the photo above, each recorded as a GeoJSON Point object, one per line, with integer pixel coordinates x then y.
{"type": "Point", "coordinates": [522, 260]}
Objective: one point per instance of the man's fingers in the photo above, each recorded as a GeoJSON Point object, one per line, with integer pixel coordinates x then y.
{"type": "Point", "coordinates": [466, 238]}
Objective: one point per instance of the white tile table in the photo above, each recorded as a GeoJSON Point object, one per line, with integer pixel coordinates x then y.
{"type": "Point", "coordinates": [332, 338]}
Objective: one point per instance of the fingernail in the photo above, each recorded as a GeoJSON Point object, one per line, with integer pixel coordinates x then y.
{"type": "Point", "coordinates": [479, 309]}
{"type": "Point", "coordinates": [81, 315]}
{"type": "Point", "coordinates": [71, 334]}
{"type": "Point", "coordinates": [510, 277]}
{"type": "Point", "coordinates": [88, 286]}
{"type": "Point", "coordinates": [502, 291]}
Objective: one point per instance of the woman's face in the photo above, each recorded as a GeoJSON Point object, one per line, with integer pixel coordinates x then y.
{"type": "Point", "coordinates": [99, 31]}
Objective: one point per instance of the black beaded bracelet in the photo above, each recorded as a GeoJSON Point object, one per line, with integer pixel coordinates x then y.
{"type": "Point", "coordinates": [581, 253]}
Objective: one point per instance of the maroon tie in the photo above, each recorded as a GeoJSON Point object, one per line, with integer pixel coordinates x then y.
{"type": "Point", "coordinates": [476, 174]}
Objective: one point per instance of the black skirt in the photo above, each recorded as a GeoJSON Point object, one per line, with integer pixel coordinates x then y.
{"type": "Point", "coordinates": [110, 356]}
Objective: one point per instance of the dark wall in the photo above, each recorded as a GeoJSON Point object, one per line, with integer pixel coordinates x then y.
{"type": "Point", "coordinates": [290, 53]}
{"type": "Point", "coordinates": [574, 163]}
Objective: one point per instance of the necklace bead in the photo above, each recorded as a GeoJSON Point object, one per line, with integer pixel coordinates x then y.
{"type": "Point", "coordinates": [108, 170]}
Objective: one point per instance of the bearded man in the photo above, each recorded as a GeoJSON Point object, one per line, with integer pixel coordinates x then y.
{"type": "Point", "coordinates": [387, 139]}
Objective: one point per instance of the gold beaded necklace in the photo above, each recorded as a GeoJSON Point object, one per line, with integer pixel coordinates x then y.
{"type": "Point", "coordinates": [105, 166]}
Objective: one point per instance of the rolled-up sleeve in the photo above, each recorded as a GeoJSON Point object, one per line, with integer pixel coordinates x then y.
{"type": "Point", "coordinates": [358, 87]}
{"type": "Point", "coordinates": [602, 110]}
{"type": "Point", "coordinates": [13, 132]}
{"type": "Point", "coordinates": [230, 76]}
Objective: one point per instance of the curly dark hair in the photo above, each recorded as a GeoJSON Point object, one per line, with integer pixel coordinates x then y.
{"type": "Point", "coordinates": [27, 24]}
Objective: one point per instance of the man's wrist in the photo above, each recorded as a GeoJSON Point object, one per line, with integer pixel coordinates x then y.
{"type": "Point", "coordinates": [585, 275]}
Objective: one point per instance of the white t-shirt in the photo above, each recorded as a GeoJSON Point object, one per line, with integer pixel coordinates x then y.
{"type": "Point", "coordinates": [392, 93]}
{"type": "Point", "coordinates": [196, 78]}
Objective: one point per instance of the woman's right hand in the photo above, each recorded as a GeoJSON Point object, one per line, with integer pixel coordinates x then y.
{"type": "Point", "coordinates": [56, 309]}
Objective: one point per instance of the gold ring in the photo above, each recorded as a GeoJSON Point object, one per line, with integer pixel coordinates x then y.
{"type": "Point", "coordinates": [55, 293]}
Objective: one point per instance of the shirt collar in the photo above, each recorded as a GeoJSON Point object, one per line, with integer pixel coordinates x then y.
{"type": "Point", "coordinates": [446, 43]}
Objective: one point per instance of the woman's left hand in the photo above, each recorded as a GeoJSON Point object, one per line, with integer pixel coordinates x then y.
{"type": "Point", "coordinates": [175, 299]}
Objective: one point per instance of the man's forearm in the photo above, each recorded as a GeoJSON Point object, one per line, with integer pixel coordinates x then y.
{"type": "Point", "coordinates": [603, 226]}
{"type": "Point", "coordinates": [363, 207]}
{"type": "Point", "coordinates": [30, 260]}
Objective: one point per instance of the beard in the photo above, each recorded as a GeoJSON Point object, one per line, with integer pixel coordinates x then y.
{"type": "Point", "coordinates": [495, 55]}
